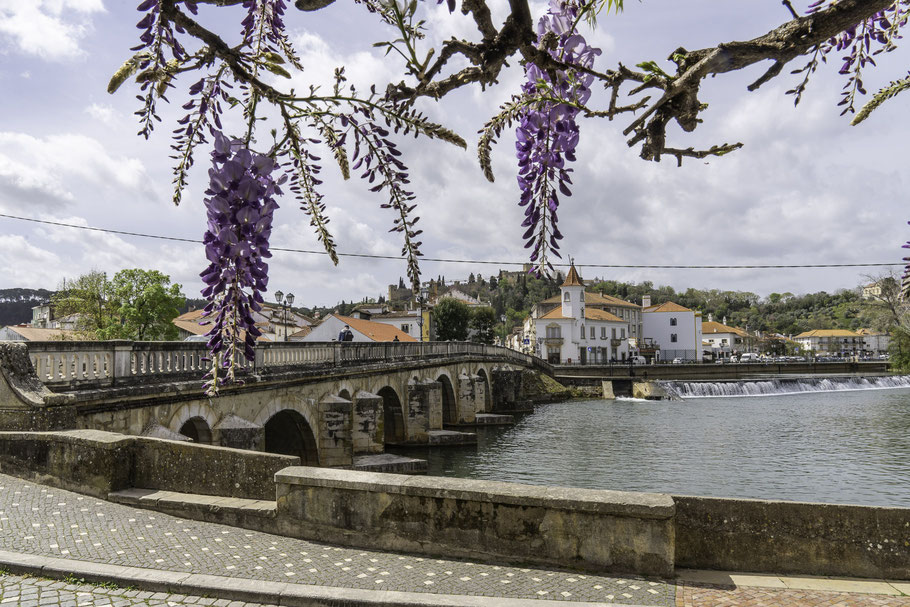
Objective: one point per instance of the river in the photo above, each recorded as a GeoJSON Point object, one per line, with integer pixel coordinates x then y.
{"type": "Point", "coordinates": [842, 446]}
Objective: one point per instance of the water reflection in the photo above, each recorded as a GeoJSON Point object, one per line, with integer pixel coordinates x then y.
{"type": "Point", "coordinates": [840, 447]}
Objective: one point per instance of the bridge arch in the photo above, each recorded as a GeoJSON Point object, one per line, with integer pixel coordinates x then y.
{"type": "Point", "coordinates": [394, 430]}
{"type": "Point", "coordinates": [344, 393]}
{"type": "Point", "coordinates": [194, 420]}
{"type": "Point", "coordinates": [287, 432]}
{"type": "Point", "coordinates": [300, 428]}
{"type": "Point", "coordinates": [449, 403]}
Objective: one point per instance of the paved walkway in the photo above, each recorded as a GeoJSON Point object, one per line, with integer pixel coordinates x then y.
{"type": "Point", "coordinates": [51, 532]}
{"type": "Point", "coordinates": [52, 523]}
{"type": "Point", "coordinates": [27, 591]}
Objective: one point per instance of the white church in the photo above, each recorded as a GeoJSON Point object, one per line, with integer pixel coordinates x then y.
{"type": "Point", "coordinates": [573, 333]}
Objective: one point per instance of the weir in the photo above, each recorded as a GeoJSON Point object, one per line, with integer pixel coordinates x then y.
{"type": "Point", "coordinates": [768, 387]}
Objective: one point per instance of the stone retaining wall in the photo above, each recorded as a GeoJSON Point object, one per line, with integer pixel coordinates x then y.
{"type": "Point", "coordinates": [97, 463]}
{"type": "Point", "coordinates": [644, 533]}
{"type": "Point", "coordinates": [792, 537]}
{"type": "Point", "coordinates": [576, 528]}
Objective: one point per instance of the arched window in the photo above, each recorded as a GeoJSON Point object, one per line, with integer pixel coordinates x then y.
{"type": "Point", "coordinates": [566, 296]}
{"type": "Point", "coordinates": [582, 331]}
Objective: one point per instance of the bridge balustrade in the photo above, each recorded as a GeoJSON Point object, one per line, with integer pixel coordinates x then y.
{"type": "Point", "coordinates": [103, 363]}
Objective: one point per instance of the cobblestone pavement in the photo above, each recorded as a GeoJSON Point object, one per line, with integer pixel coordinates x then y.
{"type": "Point", "coordinates": [51, 522]}
{"type": "Point", "coordinates": [27, 591]}
{"type": "Point", "coordinates": [700, 595]}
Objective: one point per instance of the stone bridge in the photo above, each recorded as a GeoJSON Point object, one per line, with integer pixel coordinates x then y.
{"type": "Point", "coordinates": [323, 402]}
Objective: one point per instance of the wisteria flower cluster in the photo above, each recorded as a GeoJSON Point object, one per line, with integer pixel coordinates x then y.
{"type": "Point", "coordinates": [547, 134]}
{"type": "Point", "coordinates": [240, 202]}
{"type": "Point", "coordinates": [862, 42]}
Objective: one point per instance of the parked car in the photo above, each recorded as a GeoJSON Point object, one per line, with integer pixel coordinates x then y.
{"type": "Point", "coordinates": [748, 357]}
{"type": "Point", "coordinates": [677, 361]}
{"type": "Point", "coordinates": [639, 360]}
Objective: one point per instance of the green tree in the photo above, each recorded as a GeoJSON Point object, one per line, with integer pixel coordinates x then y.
{"type": "Point", "coordinates": [451, 317]}
{"type": "Point", "coordinates": [136, 304]}
{"type": "Point", "coordinates": [483, 322]}
{"type": "Point", "coordinates": [88, 297]}
{"type": "Point", "coordinates": [146, 302]}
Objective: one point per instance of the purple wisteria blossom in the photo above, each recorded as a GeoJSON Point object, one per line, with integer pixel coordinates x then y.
{"type": "Point", "coordinates": [547, 135]}
{"type": "Point", "coordinates": [240, 203]}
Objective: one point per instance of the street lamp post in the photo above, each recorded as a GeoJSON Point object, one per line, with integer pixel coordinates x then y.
{"type": "Point", "coordinates": [284, 301]}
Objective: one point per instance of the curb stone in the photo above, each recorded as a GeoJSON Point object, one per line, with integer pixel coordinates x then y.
{"type": "Point", "coordinates": [256, 591]}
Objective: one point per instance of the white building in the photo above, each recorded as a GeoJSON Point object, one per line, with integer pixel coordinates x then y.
{"type": "Point", "coordinates": [574, 333]}
{"type": "Point", "coordinates": [830, 342]}
{"type": "Point", "coordinates": [724, 341]}
{"type": "Point", "coordinates": [363, 330]}
{"type": "Point", "coordinates": [675, 329]}
{"type": "Point", "coordinates": [875, 343]}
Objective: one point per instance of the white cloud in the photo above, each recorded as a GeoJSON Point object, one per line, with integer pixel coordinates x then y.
{"type": "Point", "coordinates": [45, 170]}
{"type": "Point", "coordinates": [50, 29]}
{"type": "Point", "coordinates": [102, 113]}
{"type": "Point", "coordinates": [26, 265]}
{"type": "Point", "coordinates": [362, 68]}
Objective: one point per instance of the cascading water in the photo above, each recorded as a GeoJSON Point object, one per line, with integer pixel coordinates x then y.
{"type": "Point", "coordinates": [707, 389]}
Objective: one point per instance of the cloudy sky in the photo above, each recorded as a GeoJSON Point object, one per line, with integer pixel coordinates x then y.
{"type": "Point", "coordinates": [806, 189]}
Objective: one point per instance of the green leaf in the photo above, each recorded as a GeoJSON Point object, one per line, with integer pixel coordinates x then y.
{"type": "Point", "coordinates": [129, 67]}
{"type": "Point", "coordinates": [276, 69]}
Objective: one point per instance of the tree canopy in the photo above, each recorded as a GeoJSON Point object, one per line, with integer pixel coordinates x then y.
{"type": "Point", "coordinates": [452, 318]}
{"type": "Point", "coordinates": [135, 304]}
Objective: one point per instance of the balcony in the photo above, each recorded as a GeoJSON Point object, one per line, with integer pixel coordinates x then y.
{"type": "Point", "coordinates": [552, 341]}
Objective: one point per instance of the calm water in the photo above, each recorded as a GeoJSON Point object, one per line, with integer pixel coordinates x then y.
{"type": "Point", "coordinates": [836, 447]}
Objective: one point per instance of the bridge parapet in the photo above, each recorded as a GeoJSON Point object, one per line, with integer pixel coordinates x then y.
{"type": "Point", "coordinates": [74, 364]}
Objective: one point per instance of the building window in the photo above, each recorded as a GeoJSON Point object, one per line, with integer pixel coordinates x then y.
{"type": "Point", "coordinates": [593, 330]}
{"type": "Point", "coordinates": [622, 333]}
{"type": "Point", "coordinates": [566, 296]}
{"type": "Point", "coordinates": [672, 322]}
{"type": "Point", "coordinates": [673, 337]}
{"type": "Point", "coordinates": [614, 332]}
{"type": "Point", "coordinates": [582, 331]}
{"type": "Point", "coordinates": [554, 332]}
{"type": "Point", "coordinates": [603, 332]}
{"type": "Point", "coordinates": [405, 328]}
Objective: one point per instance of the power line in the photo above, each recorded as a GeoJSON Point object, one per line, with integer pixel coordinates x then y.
{"type": "Point", "coordinates": [473, 261]}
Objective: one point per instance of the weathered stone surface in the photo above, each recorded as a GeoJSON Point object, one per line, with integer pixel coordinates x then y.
{"type": "Point", "coordinates": [334, 434]}
{"type": "Point", "coordinates": [467, 398]}
{"type": "Point", "coordinates": [237, 433]}
{"type": "Point", "coordinates": [451, 437]}
{"type": "Point", "coordinates": [424, 410]}
{"type": "Point", "coordinates": [506, 390]}
{"type": "Point", "coordinates": [367, 424]}
{"type": "Point", "coordinates": [154, 429]}
{"type": "Point", "coordinates": [88, 461]}
{"type": "Point", "coordinates": [388, 462]}
{"type": "Point", "coordinates": [649, 390]}
{"type": "Point", "coordinates": [97, 463]}
{"type": "Point", "coordinates": [19, 386]}
{"type": "Point", "coordinates": [607, 387]}
{"type": "Point", "coordinates": [792, 537]}
{"type": "Point", "coordinates": [586, 529]}
{"type": "Point", "coordinates": [205, 469]}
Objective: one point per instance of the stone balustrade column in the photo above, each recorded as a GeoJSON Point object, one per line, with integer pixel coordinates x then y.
{"type": "Point", "coordinates": [122, 361]}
